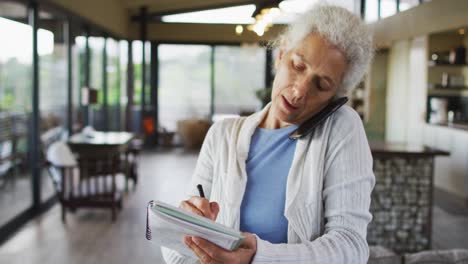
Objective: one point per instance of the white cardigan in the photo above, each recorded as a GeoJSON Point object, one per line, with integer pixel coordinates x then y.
{"type": "Point", "coordinates": [327, 194]}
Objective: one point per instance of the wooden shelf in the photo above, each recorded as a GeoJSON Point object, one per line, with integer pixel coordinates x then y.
{"type": "Point", "coordinates": [447, 92]}
{"type": "Point", "coordinates": [432, 64]}
{"type": "Point", "coordinates": [440, 87]}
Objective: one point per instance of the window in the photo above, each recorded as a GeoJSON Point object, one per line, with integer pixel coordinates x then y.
{"type": "Point", "coordinates": [138, 66]}
{"type": "Point", "coordinates": [407, 4]}
{"type": "Point", "coordinates": [78, 79]}
{"type": "Point", "coordinates": [113, 84]}
{"type": "Point", "coordinates": [239, 73]}
{"type": "Point", "coordinates": [96, 47]}
{"type": "Point", "coordinates": [372, 11]}
{"type": "Point", "coordinates": [53, 90]}
{"type": "Point", "coordinates": [137, 52]}
{"type": "Point", "coordinates": [387, 8]}
{"type": "Point", "coordinates": [15, 110]}
{"type": "Point", "coordinates": [123, 99]}
{"type": "Point", "coordinates": [184, 85]}
{"type": "Point", "coordinates": [148, 75]}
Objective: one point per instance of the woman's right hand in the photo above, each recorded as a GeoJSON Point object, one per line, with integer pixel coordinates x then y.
{"type": "Point", "coordinates": [201, 206]}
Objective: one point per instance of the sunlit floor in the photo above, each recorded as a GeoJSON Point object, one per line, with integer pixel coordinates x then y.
{"type": "Point", "coordinates": [90, 237]}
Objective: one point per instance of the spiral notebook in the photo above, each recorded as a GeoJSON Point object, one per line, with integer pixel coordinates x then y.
{"type": "Point", "coordinates": [166, 225]}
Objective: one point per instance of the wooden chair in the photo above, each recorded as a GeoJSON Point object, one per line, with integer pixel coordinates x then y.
{"type": "Point", "coordinates": [83, 182]}
{"type": "Point", "coordinates": [129, 164]}
{"type": "Point", "coordinates": [7, 161]}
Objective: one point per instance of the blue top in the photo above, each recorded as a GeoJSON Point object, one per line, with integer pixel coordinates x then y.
{"type": "Point", "coordinates": [262, 211]}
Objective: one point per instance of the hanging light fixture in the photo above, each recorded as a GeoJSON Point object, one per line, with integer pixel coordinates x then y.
{"type": "Point", "coordinates": [239, 29]}
{"type": "Point", "coordinates": [264, 16]}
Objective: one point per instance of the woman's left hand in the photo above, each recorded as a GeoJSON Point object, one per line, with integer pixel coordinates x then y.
{"type": "Point", "coordinates": [208, 252]}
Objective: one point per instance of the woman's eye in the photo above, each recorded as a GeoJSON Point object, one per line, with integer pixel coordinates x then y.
{"type": "Point", "coordinates": [322, 85]}
{"type": "Point", "coordinates": [298, 66]}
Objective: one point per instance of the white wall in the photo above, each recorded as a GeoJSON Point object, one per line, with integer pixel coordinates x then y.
{"type": "Point", "coordinates": [407, 90]}
{"type": "Point", "coordinates": [417, 89]}
{"type": "Point", "coordinates": [406, 107]}
{"type": "Point", "coordinates": [397, 92]}
{"type": "Point", "coordinates": [451, 173]}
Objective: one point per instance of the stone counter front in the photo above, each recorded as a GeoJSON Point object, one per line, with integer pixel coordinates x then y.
{"type": "Point", "coordinates": [402, 197]}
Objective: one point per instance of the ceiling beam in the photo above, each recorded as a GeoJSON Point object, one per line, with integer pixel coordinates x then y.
{"type": "Point", "coordinates": [444, 15]}
{"type": "Point", "coordinates": [203, 33]}
{"type": "Point", "coordinates": [110, 15]}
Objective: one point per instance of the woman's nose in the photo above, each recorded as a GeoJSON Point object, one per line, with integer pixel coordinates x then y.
{"type": "Point", "coordinates": [301, 88]}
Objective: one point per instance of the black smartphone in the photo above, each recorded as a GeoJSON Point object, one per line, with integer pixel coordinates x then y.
{"type": "Point", "coordinates": [308, 126]}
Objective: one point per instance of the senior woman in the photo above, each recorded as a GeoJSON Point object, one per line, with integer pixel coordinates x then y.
{"type": "Point", "coordinates": [297, 200]}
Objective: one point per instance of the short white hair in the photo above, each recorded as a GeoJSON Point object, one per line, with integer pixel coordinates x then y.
{"type": "Point", "coordinates": [341, 28]}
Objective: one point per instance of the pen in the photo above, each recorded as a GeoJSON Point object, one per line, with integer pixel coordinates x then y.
{"type": "Point", "coordinates": [200, 191]}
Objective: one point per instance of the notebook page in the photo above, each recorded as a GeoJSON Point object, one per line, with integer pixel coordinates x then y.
{"type": "Point", "coordinates": [169, 232]}
{"type": "Point", "coordinates": [225, 241]}
{"type": "Point", "coordinates": [196, 219]}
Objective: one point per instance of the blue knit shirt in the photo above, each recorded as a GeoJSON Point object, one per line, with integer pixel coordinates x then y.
{"type": "Point", "coordinates": [262, 211]}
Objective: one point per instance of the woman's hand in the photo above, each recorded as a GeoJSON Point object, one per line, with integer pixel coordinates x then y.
{"type": "Point", "coordinates": [201, 206]}
{"type": "Point", "coordinates": [208, 252]}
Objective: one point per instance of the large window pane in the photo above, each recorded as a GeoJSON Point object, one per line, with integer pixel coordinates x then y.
{"type": "Point", "coordinates": [78, 80]}
{"type": "Point", "coordinates": [96, 46]}
{"type": "Point", "coordinates": [15, 110]}
{"type": "Point", "coordinates": [372, 11]}
{"type": "Point", "coordinates": [137, 52]}
{"type": "Point", "coordinates": [113, 84]}
{"type": "Point", "coordinates": [123, 49]}
{"type": "Point", "coordinates": [184, 83]}
{"type": "Point", "coordinates": [407, 4]}
{"type": "Point", "coordinates": [53, 91]}
{"type": "Point", "coordinates": [387, 8]}
{"type": "Point", "coordinates": [148, 75]}
{"type": "Point", "coordinates": [239, 73]}
{"type": "Point", "coordinates": [138, 66]}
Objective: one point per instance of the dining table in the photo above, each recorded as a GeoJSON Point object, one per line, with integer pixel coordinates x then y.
{"type": "Point", "coordinates": [99, 144]}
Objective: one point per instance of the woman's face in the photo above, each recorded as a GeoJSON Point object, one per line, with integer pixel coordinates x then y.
{"type": "Point", "coordinates": [307, 77]}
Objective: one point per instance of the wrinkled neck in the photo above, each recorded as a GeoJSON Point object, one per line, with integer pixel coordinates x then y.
{"type": "Point", "coordinates": [272, 122]}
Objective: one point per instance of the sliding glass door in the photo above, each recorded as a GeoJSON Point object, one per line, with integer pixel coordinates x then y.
{"type": "Point", "coordinates": [184, 83]}
{"type": "Point", "coordinates": [15, 111]}
{"type": "Point", "coordinates": [239, 72]}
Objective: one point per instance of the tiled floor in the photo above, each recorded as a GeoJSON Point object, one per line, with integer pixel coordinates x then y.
{"type": "Point", "coordinates": [15, 194]}
{"type": "Point", "coordinates": [89, 236]}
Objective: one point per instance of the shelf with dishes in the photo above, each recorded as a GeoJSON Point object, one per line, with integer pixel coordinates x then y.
{"type": "Point", "coordinates": [447, 78]}
{"type": "Point", "coordinates": [447, 109]}
{"type": "Point", "coordinates": [457, 125]}
{"type": "Point", "coordinates": [456, 56]}
{"type": "Point", "coordinates": [439, 90]}
{"type": "Point", "coordinates": [445, 64]}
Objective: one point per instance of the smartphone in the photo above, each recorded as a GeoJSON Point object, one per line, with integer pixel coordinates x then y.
{"type": "Point", "coordinates": [308, 126]}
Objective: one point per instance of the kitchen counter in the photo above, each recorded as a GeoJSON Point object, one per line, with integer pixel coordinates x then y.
{"type": "Point", "coordinates": [403, 149]}
{"type": "Point", "coordinates": [460, 126]}
{"type": "Point", "coordinates": [402, 197]}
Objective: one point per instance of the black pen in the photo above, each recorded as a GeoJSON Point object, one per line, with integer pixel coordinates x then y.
{"type": "Point", "coordinates": [200, 191]}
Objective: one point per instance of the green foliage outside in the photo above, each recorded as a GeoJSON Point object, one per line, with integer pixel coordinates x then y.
{"type": "Point", "coordinates": [15, 86]}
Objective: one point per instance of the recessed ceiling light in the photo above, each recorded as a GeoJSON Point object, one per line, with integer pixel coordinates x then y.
{"type": "Point", "coordinates": [239, 29]}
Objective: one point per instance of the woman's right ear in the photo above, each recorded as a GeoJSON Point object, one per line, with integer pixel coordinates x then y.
{"type": "Point", "coordinates": [280, 53]}
{"type": "Point", "coordinates": [279, 57]}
